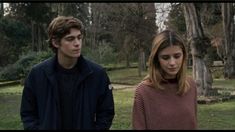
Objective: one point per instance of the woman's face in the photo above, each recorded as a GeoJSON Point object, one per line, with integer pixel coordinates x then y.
{"type": "Point", "coordinates": [170, 59]}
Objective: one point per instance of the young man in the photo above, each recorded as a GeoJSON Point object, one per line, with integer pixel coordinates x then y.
{"type": "Point", "coordinates": [67, 91]}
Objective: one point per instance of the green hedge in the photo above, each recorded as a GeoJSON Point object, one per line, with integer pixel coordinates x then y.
{"type": "Point", "coordinates": [21, 68]}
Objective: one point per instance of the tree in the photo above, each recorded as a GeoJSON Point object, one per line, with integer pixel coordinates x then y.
{"type": "Point", "coordinates": [14, 40]}
{"type": "Point", "coordinates": [176, 19]}
{"type": "Point", "coordinates": [199, 44]}
{"type": "Point", "coordinates": [229, 40]}
{"type": "Point", "coordinates": [135, 27]}
{"type": "Point", "coordinates": [1, 10]}
{"type": "Point", "coordinates": [36, 16]}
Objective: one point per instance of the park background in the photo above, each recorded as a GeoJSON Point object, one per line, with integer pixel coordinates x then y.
{"type": "Point", "coordinates": [119, 37]}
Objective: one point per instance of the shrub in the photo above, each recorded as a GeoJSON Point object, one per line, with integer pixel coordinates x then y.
{"type": "Point", "coordinates": [103, 54]}
{"type": "Point", "coordinates": [21, 68]}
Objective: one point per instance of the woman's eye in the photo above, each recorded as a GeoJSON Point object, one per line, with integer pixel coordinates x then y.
{"type": "Point", "coordinates": [177, 56]}
{"type": "Point", "coordinates": [165, 57]}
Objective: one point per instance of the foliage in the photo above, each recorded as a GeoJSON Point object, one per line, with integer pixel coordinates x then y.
{"type": "Point", "coordinates": [26, 12]}
{"type": "Point", "coordinates": [176, 19]}
{"type": "Point", "coordinates": [103, 54]}
{"type": "Point", "coordinates": [211, 56]}
{"type": "Point", "coordinates": [217, 72]}
{"type": "Point", "coordinates": [14, 38]}
{"type": "Point", "coordinates": [21, 68]}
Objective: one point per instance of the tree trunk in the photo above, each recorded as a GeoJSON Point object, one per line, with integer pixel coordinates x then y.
{"type": "Point", "coordinates": [33, 35]}
{"type": "Point", "coordinates": [126, 49]}
{"type": "Point", "coordinates": [143, 60]}
{"type": "Point", "coordinates": [198, 43]}
{"type": "Point", "coordinates": [127, 61]}
{"type": "Point", "coordinates": [228, 26]}
{"type": "Point", "coordinates": [139, 62]}
{"type": "Point", "coordinates": [38, 36]}
{"type": "Point", "coordinates": [1, 10]}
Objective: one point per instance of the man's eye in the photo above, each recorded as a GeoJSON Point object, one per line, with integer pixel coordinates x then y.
{"type": "Point", "coordinates": [80, 37]}
{"type": "Point", "coordinates": [69, 39]}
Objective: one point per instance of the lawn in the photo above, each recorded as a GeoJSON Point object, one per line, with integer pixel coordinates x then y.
{"type": "Point", "coordinates": [9, 112]}
{"type": "Point", "coordinates": [126, 76]}
{"type": "Point", "coordinates": [217, 116]}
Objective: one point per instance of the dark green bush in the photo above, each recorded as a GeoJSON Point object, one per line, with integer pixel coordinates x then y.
{"type": "Point", "coordinates": [21, 68]}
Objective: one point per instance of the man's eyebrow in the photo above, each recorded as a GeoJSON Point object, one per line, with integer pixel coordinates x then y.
{"type": "Point", "coordinates": [73, 35]}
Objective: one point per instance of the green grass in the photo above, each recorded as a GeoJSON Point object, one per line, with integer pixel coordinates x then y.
{"type": "Point", "coordinates": [211, 117]}
{"type": "Point", "coordinates": [9, 112]}
{"type": "Point", "coordinates": [17, 89]}
{"type": "Point", "coordinates": [123, 100]}
{"type": "Point", "coordinates": [122, 64]}
{"type": "Point", "coordinates": [126, 76]}
{"type": "Point", "coordinates": [130, 76]}
{"type": "Point", "coordinates": [222, 83]}
{"type": "Point", "coordinates": [217, 116]}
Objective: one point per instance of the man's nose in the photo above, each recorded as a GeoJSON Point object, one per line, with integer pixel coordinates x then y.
{"type": "Point", "coordinates": [77, 42]}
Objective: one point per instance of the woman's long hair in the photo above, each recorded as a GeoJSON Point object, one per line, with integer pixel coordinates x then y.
{"type": "Point", "coordinates": [155, 73]}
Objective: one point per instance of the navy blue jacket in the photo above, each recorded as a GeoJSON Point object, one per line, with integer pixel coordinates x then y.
{"type": "Point", "coordinates": [93, 98]}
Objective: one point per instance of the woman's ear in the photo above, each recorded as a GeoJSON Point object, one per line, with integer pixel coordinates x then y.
{"type": "Point", "coordinates": [55, 43]}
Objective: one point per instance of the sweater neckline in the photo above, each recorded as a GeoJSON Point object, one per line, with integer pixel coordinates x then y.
{"type": "Point", "coordinates": [174, 80]}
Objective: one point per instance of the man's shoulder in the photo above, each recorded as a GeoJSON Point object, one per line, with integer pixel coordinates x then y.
{"type": "Point", "coordinates": [43, 63]}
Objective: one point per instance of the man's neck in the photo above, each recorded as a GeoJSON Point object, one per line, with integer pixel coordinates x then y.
{"type": "Point", "coordinates": [66, 62]}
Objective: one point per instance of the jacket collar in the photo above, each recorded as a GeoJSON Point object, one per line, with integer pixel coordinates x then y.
{"type": "Point", "coordinates": [84, 68]}
{"type": "Point", "coordinates": [50, 70]}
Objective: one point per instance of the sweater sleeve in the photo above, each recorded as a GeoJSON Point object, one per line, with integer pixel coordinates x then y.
{"type": "Point", "coordinates": [138, 114]}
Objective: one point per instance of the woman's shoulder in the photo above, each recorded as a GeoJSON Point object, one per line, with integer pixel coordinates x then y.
{"type": "Point", "coordinates": [143, 85]}
{"type": "Point", "coordinates": [191, 82]}
{"type": "Point", "coordinates": [190, 79]}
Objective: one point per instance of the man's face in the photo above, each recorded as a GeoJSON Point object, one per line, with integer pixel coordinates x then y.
{"type": "Point", "coordinates": [71, 44]}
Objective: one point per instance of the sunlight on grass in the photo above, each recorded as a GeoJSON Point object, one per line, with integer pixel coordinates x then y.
{"type": "Point", "coordinates": [17, 89]}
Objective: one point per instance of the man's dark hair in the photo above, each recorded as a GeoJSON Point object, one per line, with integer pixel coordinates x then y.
{"type": "Point", "coordinates": [60, 26]}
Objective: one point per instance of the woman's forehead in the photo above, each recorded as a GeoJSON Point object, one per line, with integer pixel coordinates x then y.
{"type": "Point", "coordinates": [172, 49]}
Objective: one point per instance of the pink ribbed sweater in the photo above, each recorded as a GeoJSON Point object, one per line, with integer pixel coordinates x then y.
{"type": "Point", "coordinates": [157, 110]}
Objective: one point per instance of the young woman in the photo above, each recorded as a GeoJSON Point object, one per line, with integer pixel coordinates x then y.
{"type": "Point", "coordinates": [167, 97]}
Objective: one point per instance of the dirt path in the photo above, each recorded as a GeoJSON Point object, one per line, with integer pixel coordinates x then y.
{"type": "Point", "coordinates": [121, 86]}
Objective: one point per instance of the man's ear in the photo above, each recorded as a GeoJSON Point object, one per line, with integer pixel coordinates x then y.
{"type": "Point", "coordinates": [55, 43]}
